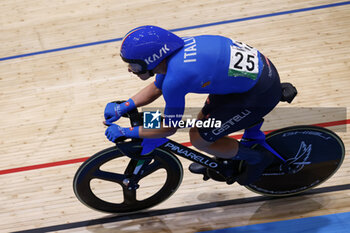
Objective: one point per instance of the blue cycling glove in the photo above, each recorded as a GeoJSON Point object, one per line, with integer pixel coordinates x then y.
{"type": "Point", "coordinates": [114, 111]}
{"type": "Point", "coordinates": [113, 132]}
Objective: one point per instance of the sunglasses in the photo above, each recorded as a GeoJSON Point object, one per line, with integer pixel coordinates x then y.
{"type": "Point", "coordinates": [137, 69]}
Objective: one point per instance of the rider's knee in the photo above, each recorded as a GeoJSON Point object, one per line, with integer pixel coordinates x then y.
{"type": "Point", "coordinates": [196, 140]}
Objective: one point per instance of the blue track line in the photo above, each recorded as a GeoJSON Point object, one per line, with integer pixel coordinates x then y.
{"type": "Point", "coordinates": [184, 29]}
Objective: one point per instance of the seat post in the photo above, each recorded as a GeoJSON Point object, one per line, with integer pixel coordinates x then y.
{"type": "Point", "coordinates": [253, 135]}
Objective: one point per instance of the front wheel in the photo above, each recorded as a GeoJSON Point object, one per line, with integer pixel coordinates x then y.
{"type": "Point", "coordinates": [313, 155]}
{"type": "Point", "coordinates": [100, 182]}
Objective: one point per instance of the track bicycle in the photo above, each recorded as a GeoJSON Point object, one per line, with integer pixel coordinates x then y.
{"type": "Point", "coordinates": [305, 157]}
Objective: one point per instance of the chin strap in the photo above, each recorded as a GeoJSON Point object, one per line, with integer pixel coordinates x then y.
{"type": "Point", "coordinates": [151, 73]}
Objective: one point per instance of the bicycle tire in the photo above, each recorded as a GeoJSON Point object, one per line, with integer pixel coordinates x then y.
{"type": "Point", "coordinates": [322, 153]}
{"type": "Point", "coordinates": [90, 169]}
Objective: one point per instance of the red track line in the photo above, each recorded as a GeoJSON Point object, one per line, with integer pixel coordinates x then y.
{"type": "Point", "coordinates": [79, 160]}
{"type": "Point", "coordinates": [333, 123]}
{"type": "Point", "coordinates": [44, 165]}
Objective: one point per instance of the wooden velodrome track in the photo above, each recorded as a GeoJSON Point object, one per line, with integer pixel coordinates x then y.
{"type": "Point", "coordinates": [52, 106]}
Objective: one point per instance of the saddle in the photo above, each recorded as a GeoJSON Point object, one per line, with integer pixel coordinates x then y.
{"type": "Point", "coordinates": [288, 92]}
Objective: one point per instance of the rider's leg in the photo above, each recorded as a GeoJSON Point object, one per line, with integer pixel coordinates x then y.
{"type": "Point", "coordinates": [237, 112]}
{"type": "Point", "coordinates": [229, 148]}
{"type": "Point", "coordinates": [225, 148]}
{"type": "Point", "coordinates": [253, 172]}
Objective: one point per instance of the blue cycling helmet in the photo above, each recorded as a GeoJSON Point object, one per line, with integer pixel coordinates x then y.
{"type": "Point", "coordinates": [148, 46]}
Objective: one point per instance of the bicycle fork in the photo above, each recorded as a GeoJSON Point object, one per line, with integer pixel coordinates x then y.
{"type": "Point", "coordinates": [135, 168]}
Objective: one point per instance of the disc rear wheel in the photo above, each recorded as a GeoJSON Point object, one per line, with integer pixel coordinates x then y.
{"type": "Point", "coordinates": [313, 155]}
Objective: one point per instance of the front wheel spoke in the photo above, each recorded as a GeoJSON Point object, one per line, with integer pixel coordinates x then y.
{"type": "Point", "coordinates": [109, 176]}
{"type": "Point", "coordinates": [149, 169]}
{"type": "Point", "coordinates": [129, 196]}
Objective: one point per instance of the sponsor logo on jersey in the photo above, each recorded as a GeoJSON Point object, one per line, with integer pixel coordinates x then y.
{"type": "Point", "coordinates": [231, 122]}
{"type": "Point", "coordinates": [190, 51]}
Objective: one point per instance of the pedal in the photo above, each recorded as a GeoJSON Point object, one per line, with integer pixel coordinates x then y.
{"type": "Point", "coordinates": [196, 168]}
{"type": "Point", "coordinates": [205, 177]}
{"type": "Point", "coordinates": [230, 180]}
{"type": "Point", "coordinates": [215, 176]}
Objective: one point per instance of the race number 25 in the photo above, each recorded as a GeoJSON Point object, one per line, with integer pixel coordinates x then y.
{"type": "Point", "coordinates": [244, 61]}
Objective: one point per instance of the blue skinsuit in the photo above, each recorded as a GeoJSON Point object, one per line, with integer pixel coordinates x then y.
{"type": "Point", "coordinates": [202, 66]}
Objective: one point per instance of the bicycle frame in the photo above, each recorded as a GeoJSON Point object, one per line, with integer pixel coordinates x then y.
{"type": "Point", "coordinates": [252, 136]}
{"type": "Point", "coordinates": [306, 167]}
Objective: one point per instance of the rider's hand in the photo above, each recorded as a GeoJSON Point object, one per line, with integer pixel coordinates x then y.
{"type": "Point", "coordinates": [113, 132]}
{"type": "Point", "coordinates": [114, 111]}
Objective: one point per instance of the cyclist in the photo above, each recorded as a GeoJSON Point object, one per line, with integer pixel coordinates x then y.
{"type": "Point", "coordinates": [243, 86]}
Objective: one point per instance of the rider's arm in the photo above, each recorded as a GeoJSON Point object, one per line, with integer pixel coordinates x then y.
{"type": "Point", "coordinates": [174, 97]}
{"type": "Point", "coordinates": [156, 133]}
{"type": "Point", "coordinates": [146, 95]}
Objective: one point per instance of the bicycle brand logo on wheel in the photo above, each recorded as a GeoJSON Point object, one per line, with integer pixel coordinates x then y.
{"type": "Point", "coordinates": [301, 158]}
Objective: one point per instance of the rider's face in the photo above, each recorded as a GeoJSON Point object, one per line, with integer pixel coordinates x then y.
{"type": "Point", "coordinates": [135, 68]}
